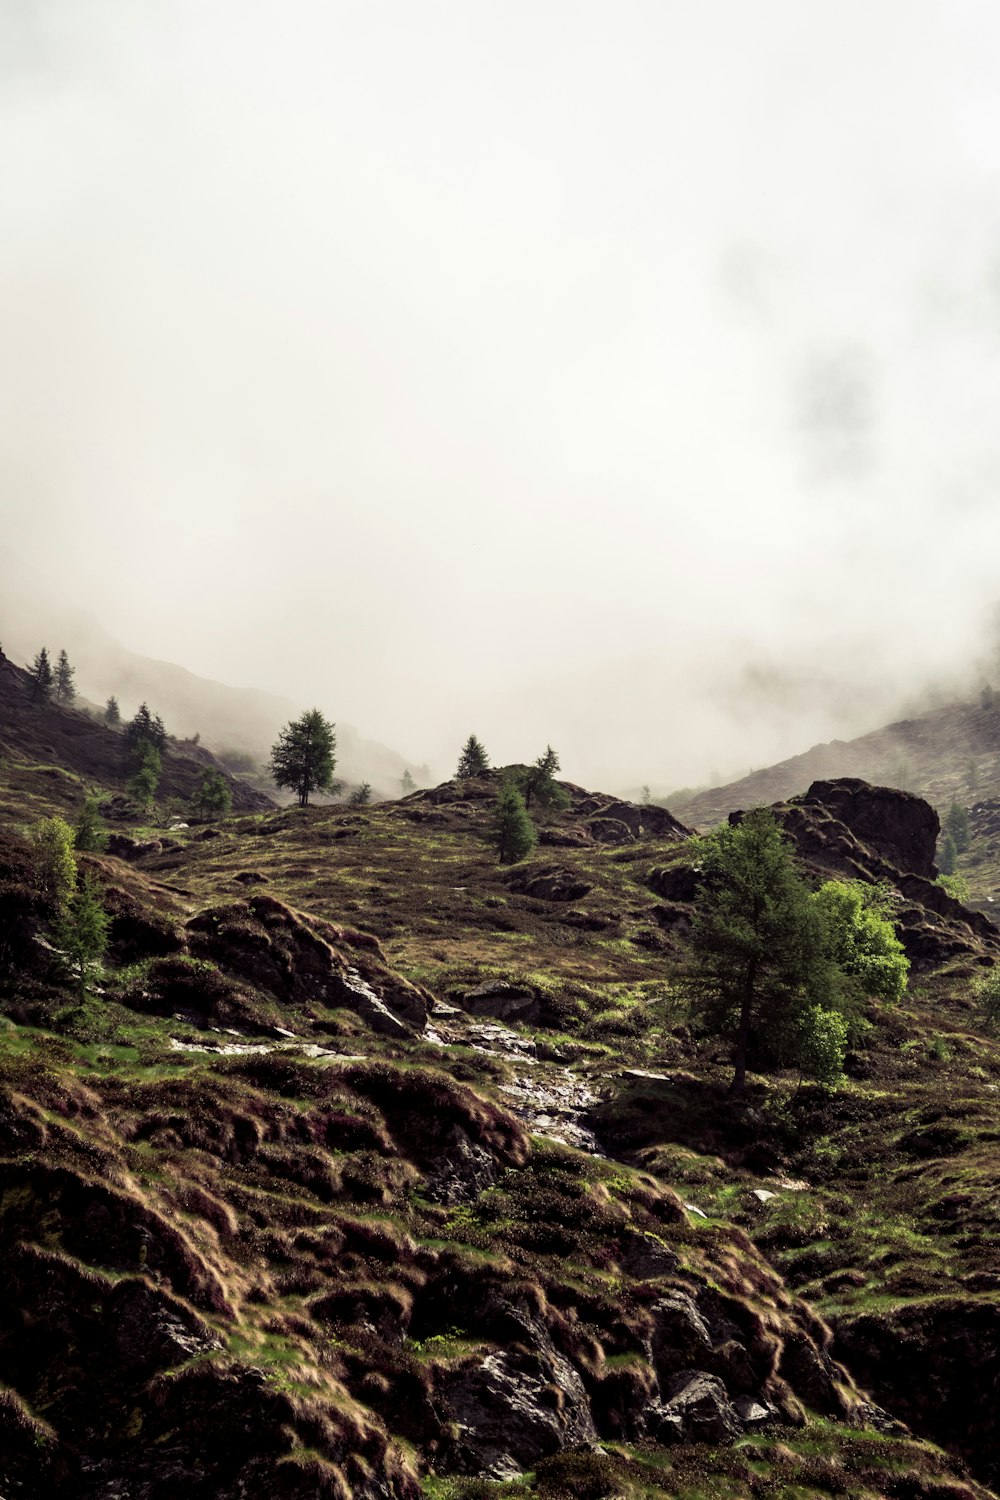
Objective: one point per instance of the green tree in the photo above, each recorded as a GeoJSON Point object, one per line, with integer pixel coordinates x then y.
{"type": "Point", "coordinates": [948, 856]}
{"type": "Point", "coordinates": [81, 930]}
{"type": "Point", "coordinates": [473, 760]}
{"type": "Point", "coordinates": [972, 776]}
{"type": "Point", "coordinates": [956, 886]}
{"type": "Point", "coordinates": [41, 677]}
{"type": "Point", "coordinates": [112, 713]}
{"type": "Point", "coordinates": [361, 796]}
{"type": "Point", "coordinates": [55, 862]}
{"type": "Point", "coordinates": [957, 824]}
{"type": "Point", "coordinates": [862, 942]}
{"type": "Point", "coordinates": [65, 686]}
{"type": "Point", "coordinates": [302, 757]}
{"type": "Point", "coordinates": [212, 797]}
{"type": "Point", "coordinates": [89, 835]}
{"type": "Point", "coordinates": [512, 832]}
{"type": "Point", "coordinates": [538, 783]}
{"type": "Point", "coordinates": [407, 783]}
{"type": "Point", "coordinates": [144, 728]}
{"type": "Point", "coordinates": [987, 996]}
{"type": "Point", "coordinates": [142, 784]}
{"type": "Point", "coordinates": [759, 966]}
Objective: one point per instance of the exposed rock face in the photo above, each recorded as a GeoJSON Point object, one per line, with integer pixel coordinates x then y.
{"type": "Point", "coordinates": [902, 829]}
{"type": "Point", "coordinates": [273, 948]}
{"type": "Point", "coordinates": [515, 1407]}
{"type": "Point", "coordinates": [503, 1000]}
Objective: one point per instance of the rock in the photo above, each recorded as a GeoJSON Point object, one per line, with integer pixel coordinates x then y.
{"type": "Point", "coordinates": [610, 831]}
{"type": "Point", "coordinates": [662, 1424]}
{"type": "Point", "coordinates": [564, 838]}
{"type": "Point", "coordinates": [705, 1410]}
{"type": "Point", "coordinates": [752, 1412]}
{"type": "Point", "coordinates": [515, 1407]}
{"type": "Point", "coordinates": [763, 1195]}
{"type": "Point", "coordinates": [680, 1339]}
{"type": "Point", "coordinates": [550, 883]}
{"type": "Point", "coordinates": [899, 826]}
{"type": "Point", "coordinates": [251, 877]}
{"type": "Point", "coordinates": [351, 990]}
{"type": "Point", "coordinates": [646, 1258]}
{"type": "Point", "coordinates": [464, 1170]}
{"type": "Point", "coordinates": [675, 883]}
{"type": "Point", "coordinates": [503, 1000]}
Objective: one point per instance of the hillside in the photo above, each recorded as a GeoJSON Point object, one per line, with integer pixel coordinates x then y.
{"type": "Point", "coordinates": [370, 1168]}
{"type": "Point", "coordinates": [948, 754]}
{"type": "Point", "coordinates": [224, 717]}
{"type": "Point", "coordinates": [61, 749]}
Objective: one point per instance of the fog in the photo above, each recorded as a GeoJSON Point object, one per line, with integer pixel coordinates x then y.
{"type": "Point", "coordinates": [621, 376]}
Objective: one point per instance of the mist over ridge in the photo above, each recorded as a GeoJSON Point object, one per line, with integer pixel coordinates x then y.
{"type": "Point", "coordinates": [623, 380]}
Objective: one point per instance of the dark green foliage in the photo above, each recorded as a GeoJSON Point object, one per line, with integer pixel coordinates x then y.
{"type": "Point", "coordinates": [948, 855]}
{"type": "Point", "coordinates": [89, 835]}
{"type": "Point", "coordinates": [212, 798]}
{"type": "Point", "coordinates": [538, 783]}
{"type": "Point", "coordinates": [81, 930]}
{"type": "Point", "coordinates": [957, 824]}
{"type": "Point", "coordinates": [112, 713]}
{"type": "Point", "coordinates": [302, 757]}
{"type": "Point", "coordinates": [473, 760]}
{"type": "Point", "coordinates": [65, 687]}
{"type": "Point", "coordinates": [361, 796]}
{"type": "Point", "coordinates": [759, 963]}
{"type": "Point", "coordinates": [42, 677]}
{"type": "Point", "coordinates": [142, 784]}
{"type": "Point", "coordinates": [145, 728]}
{"type": "Point", "coordinates": [512, 832]}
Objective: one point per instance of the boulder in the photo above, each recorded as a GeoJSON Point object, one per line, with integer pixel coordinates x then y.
{"type": "Point", "coordinates": [550, 883]}
{"type": "Point", "coordinates": [705, 1411]}
{"type": "Point", "coordinates": [516, 1406]}
{"type": "Point", "coordinates": [610, 831]}
{"type": "Point", "coordinates": [680, 1337]}
{"type": "Point", "coordinates": [503, 1000]}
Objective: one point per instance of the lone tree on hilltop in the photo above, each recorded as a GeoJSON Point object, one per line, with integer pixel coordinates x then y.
{"type": "Point", "coordinates": [538, 782]}
{"type": "Point", "coordinates": [212, 797]}
{"type": "Point", "coordinates": [41, 677]}
{"type": "Point", "coordinates": [302, 757]}
{"type": "Point", "coordinates": [112, 713]}
{"type": "Point", "coordinates": [65, 687]}
{"type": "Point", "coordinates": [473, 760]}
{"type": "Point", "coordinates": [512, 832]}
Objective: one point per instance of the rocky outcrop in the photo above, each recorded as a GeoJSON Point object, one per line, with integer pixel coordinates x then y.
{"type": "Point", "coordinates": [549, 883]}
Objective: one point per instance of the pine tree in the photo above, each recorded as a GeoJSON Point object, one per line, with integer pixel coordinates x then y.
{"type": "Point", "coordinates": [512, 832]}
{"type": "Point", "coordinates": [112, 713]}
{"type": "Point", "coordinates": [361, 796]}
{"type": "Point", "coordinates": [142, 784]}
{"type": "Point", "coordinates": [957, 824]}
{"type": "Point", "coordinates": [302, 757]}
{"type": "Point", "coordinates": [407, 783]}
{"type": "Point", "coordinates": [473, 760]}
{"type": "Point", "coordinates": [41, 677]}
{"type": "Point", "coordinates": [65, 687]}
{"type": "Point", "coordinates": [212, 797]}
{"type": "Point", "coordinates": [759, 964]}
{"type": "Point", "coordinates": [145, 728]}
{"type": "Point", "coordinates": [89, 835]}
{"type": "Point", "coordinates": [81, 930]}
{"type": "Point", "coordinates": [948, 857]}
{"type": "Point", "coordinates": [538, 783]}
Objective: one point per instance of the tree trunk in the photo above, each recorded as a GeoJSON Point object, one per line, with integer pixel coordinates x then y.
{"type": "Point", "coordinates": [738, 1087]}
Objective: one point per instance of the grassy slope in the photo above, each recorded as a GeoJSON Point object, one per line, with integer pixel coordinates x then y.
{"type": "Point", "coordinates": [898, 1212]}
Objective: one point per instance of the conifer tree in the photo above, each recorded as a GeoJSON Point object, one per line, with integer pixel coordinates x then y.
{"type": "Point", "coordinates": [41, 677]}
{"type": "Point", "coordinates": [302, 757]}
{"type": "Point", "coordinates": [361, 796]}
{"type": "Point", "coordinates": [407, 783]}
{"type": "Point", "coordinates": [473, 760]}
{"type": "Point", "coordinates": [89, 835]}
{"type": "Point", "coordinates": [112, 713]}
{"type": "Point", "coordinates": [142, 784]}
{"type": "Point", "coordinates": [957, 824]}
{"type": "Point", "coordinates": [948, 857]}
{"type": "Point", "coordinates": [81, 930]}
{"type": "Point", "coordinates": [512, 832]}
{"type": "Point", "coordinates": [538, 783]}
{"type": "Point", "coordinates": [65, 687]}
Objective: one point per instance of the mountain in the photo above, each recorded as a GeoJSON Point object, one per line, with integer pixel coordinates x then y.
{"type": "Point", "coordinates": [367, 1167]}
{"type": "Point", "coordinates": [225, 718]}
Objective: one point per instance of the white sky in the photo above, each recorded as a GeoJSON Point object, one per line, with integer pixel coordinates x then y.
{"type": "Point", "coordinates": [620, 375]}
